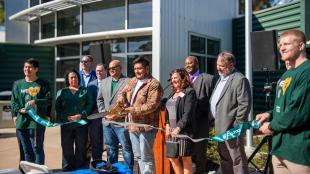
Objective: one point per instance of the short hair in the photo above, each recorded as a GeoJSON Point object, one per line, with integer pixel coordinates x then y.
{"type": "Point", "coordinates": [194, 58]}
{"type": "Point", "coordinates": [227, 57]}
{"type": "Point", "coordinates": [142, 60]}
{"type": "Point", "coordinates": [67, 76]}
{"type": "Point", "coordinates": [101, 64]}
{"type": "Point", "coordinates": [89, 56]}
{"type": "Point", "coordinates": [299, 36]}
{"type": "Point", "coordinates": [185, 79]}
{"type": "Point", "coordinates": [32, 62]}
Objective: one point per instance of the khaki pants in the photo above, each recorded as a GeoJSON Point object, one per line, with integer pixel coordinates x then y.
{"type": "Point", "coordinates": [282, 166]}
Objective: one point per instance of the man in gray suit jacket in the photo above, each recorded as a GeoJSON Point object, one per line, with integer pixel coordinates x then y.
{"type": "Point", "coordinates": [106, 100]}
{"type": "Point", "coordinates": [203, 84]}
{"type": "Point", "coordinates": [230, 105]}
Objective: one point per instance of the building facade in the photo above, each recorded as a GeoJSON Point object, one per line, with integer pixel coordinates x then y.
{"type": "Point", "coordinates": [164, 31]}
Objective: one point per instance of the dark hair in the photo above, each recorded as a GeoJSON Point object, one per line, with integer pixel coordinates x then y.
{"type": "Point", "coordinates": [88, 56]}
{"type": "Point", "coordinates": [142, 60]}
{"type": "Point", "coordinates": [67, 76]}
{"type": "Point", "coordinates": [32, 62]}
{"type": "Point", "coordinates": [185, 79]}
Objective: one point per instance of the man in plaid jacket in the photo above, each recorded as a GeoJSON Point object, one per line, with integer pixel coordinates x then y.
{"type": "Point", "coordinates": [141, 99]}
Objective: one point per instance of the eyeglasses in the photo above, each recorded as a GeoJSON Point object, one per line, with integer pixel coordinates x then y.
{"type": "Point", "coordinates": [113, 68]}
{"type": "Point", "coordinates": [84, 61]}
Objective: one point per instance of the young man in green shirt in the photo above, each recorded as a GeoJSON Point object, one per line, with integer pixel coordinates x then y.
{"type": "Point", "coordinates": [288, 122]}
{"type": "Point", "coordinates": [35, 92]}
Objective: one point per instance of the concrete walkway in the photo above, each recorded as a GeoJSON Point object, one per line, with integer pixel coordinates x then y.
{"type": "Point", "coordinates": [9, 152]}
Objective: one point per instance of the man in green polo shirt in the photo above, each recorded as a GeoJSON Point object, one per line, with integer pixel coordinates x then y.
{"type": "Point", "coordinates": [289, 121]}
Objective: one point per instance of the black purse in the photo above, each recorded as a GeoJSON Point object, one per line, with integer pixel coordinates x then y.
{"type": "Point", "coordinates": [172, 148]}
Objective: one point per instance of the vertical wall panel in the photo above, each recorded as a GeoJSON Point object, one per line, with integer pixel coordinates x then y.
{"type": "Point", "coordinates": [179, 17]}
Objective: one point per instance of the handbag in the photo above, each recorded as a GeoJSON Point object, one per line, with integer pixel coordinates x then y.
{"type": "Point", "coordinates": [172, 148]}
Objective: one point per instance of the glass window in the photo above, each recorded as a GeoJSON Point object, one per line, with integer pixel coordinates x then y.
{"type": "Point", "coordinates": [66, 50]}
{"type": "Point", "coordinates": [123, 60]}
{"type": "Point", "coordinates": [48, 26]}
{"type": "Point", "coordinates": [117, 45]}
{"type": "Point", "coordinates": [60, 85]}
{"type": "Point", "coordinates": [211, 65]}
{"type": "Point", "coordinates": [34, 30]}
{"type": "Point", "coordinates": [131, 58]}
{"type": "Point", "coordinates": [140, 44]}
{"type": "Point", "coordinates": [104, 16]}
{"type": "Point", "coordinates": [68, 22]}
{"type": "Point", "coordinates": [44, 1]}
{"type": "Point", "coordinates": [139, 13]}
{"type": "Point", "coordinates": [213, 47]}
{"type": "Point", "coordinates": [198, 44]}
{"type": "Point", "coordinates": [64, 65]}
{"type": "Point", "coordinates": [34, 2]}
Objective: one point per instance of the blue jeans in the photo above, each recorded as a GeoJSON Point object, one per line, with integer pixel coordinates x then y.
{"type": "Point", "coordinates": [31, 141]}
{"type": "Point", "coordinates": [142, 146]}
{"type": "Point", "coordinates": [112, 137]}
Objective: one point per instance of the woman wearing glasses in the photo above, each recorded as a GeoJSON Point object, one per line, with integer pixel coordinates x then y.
{"type": "Point", "coordinates": [181, 111]}
{"type": "Point", "coordinates": [73, 102]}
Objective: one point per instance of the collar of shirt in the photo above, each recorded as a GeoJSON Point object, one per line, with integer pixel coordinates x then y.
{"type": "Point", "coordinates": [194, 76]}
{"type": "Point", "coordinates": [224, 78]}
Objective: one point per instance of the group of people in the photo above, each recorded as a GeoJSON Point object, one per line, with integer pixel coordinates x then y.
{"type": "Point", "coordinates": [197, 102]}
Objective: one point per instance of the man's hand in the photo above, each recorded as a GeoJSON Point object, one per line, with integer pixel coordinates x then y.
{"type": "Point", "coordinates": [74, 117]}
{"type": "Point", "coordinates": [127, 110]}
{"type": "Point", "coordinates": [14, 120]}
{"type": "Point", "coordinates": [262, 117]}
{"type": "Point", "coordinates": [31, 103]}
{"type": "Point", "coordinates": [110, 117]}
{"type": "Point", "coordinates": [121, 101]}
{"type": "Point", "coordinates": [23, 111]}
{"type": "Point", "coordinates": [265, 129]}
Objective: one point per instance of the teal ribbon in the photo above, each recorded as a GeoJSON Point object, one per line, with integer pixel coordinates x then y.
{"type": "Point", "coordinates": [236, 131]}
{"type": "Point", "coordinates": [229, 134]}
{"type": "Point", "coordinates": [47, 123]}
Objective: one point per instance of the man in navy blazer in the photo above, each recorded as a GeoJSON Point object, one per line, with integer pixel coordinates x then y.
{"type": "Point", "coordinates": [95, 126]}
{"type": "Point", "coordinates": [86, 73]}
{"type": "Point", "coordinates": [106, 100]}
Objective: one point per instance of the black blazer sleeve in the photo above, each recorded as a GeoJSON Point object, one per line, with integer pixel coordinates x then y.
{"type": "Point", "coordinates": [186, 108]}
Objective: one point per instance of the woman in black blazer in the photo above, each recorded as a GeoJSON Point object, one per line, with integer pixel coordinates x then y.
{"type": "Point", "coordinates": [181, 111]}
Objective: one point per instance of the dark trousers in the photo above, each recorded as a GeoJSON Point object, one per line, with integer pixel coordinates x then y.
{"type": "Point", "coordinates": [31, 143]}
{"type": "Point", "coordinates": [233, 158]}
{"type": "Point", "coordinates": [96, 138]}
{"type": "Point", "coordinates": [73, 142]}
{"type": "Point", "coordinates": [200, 156]}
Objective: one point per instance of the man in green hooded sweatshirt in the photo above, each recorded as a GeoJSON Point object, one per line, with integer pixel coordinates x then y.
{"type": "Point", "coordinates": [289, 121]}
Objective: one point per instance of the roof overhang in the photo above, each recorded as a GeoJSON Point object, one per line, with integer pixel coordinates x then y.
{"type": "Point", "coordinates": [96, 36]}
{"type": "Point", "coordinates": [48, 7]}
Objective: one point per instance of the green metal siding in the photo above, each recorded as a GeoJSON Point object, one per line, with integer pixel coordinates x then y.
{"type": "Point", "coordinates": [294, 15]}
{"type": "Point", "coordinates": [12, 57]}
